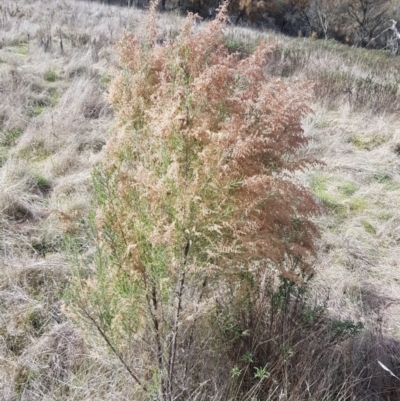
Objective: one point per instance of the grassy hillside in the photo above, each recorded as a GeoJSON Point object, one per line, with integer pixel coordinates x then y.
{"type": "Point", "coordinates": [56, 61]}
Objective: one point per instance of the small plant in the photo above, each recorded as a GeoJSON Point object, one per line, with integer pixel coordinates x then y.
{"type": "Point", "coordinates": [50, 76]}
{"type": "Point", "coordinates": [235, 372]}
{"type": "Point", "coordinates": [319, 186]}
{"type": "Point", "coordinates": [261, 373]}
{"type": "Point", "coordinates": [348, 188]}
{"type": "Point", "coordinates": [310, 315]}
{"type": "Point", "coordinates": [37, 111]}
{"type": "Point", "coordinates": [247, 357]}
{"type": "Point", "coordinates": [11, 136]}
{"type": "Point", "coordinates": [369, 228]}
{"type": "Point", "coordinates": [287, 351]}
{"type": "Point", "coordinates": [357, 205]}
{"type": "Point", "coordinates": [382, 177]}
{"type": "Point", "coordinates": [42, 184]}
{"type": "Point", "coordinates": [346, 328]}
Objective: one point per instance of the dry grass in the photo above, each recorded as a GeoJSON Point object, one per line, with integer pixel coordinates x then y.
{"type": "Point", "coordinates": [53, 124]}
{"type": "Point", "coordinates": [354, 131]}
{"type": "Point", "coordinates": [360, 186]}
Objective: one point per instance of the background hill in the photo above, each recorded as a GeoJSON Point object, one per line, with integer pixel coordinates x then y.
{"type": "Point", "coordinates": [367, 23]}
{"type": "Point", "coordinates": [56, 61]}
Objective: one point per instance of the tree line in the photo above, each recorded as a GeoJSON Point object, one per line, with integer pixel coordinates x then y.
{"type": "Point", "coordinates": [366, 23]}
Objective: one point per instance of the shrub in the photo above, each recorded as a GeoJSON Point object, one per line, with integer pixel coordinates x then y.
{"type": "Point", "coordinates": [197, 205]}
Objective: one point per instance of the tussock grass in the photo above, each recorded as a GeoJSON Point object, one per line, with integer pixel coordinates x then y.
{"type": "Point", "coordinates": [53, 124]}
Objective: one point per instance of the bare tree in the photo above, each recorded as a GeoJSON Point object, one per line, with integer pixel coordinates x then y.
{"type": "Point", "coordinates": [392, 37]}
{"type": "Point", "coordinates": [317, 16]}
{"type": "Point", "coordinates": [369, 17]}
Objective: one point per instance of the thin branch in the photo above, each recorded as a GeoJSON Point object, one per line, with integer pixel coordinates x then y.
{"type": "Point", "coordinates": [174, 340]}
{"type": "Point", "coordinates": [153, 301]}
{"type": "Point", "coordinates": [113, 349]}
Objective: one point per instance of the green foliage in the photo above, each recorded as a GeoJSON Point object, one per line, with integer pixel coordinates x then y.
{"type": "Point", "coordinates": [382, 177]}
{"type": "Point", "coordinates": [287, 351]}
{"type": "Point", "coordinates": [369, 228]}
{"type": "Point", "coordinates": [238, 46]}
{"type": "Point", "coordinates": [357, 205]}
{"type": "Point", "coordinates": [36, 111]}
{"type": "Point", "coordinates": [37, 151]}
{"type": "Point", "coordinates": [346, 328]}
{"type": "Point", "coordinates": [310, 315]}
{"type": "Point", "coordinates": [42, 184]}
{"type": "Point", "coordinates": [319, 186]}
{"type": "Point", "coordinates": [235, 372]}
{"type": "Point", "coordinates": [10, 137]}
{"type": "Point", "coordinates": [385, 215]}
{"type": "Point", "coordinates": [104, 81]}
{"type": "Point", "coordinates": [22, 46]}
{"type": "Point", "coordinates": [50, 76]}
{"type": "Point", "coordinates": [337, 196]}
{"type": "Point", "coordinates": [261, 372]}
{"type": "Point", "coordinates": [348, 188]}
{"type": "Point", "coordinates": [365, 142]}
{"type": "Point", "coordinates": [247, 357]}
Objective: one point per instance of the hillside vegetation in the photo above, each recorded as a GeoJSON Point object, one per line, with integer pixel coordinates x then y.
{"type": "Point", "coordinates": [321, 341]}
{"type": "Point", "coordinates": [366, 23]}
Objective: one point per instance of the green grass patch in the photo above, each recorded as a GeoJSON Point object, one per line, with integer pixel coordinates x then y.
{"type": "Point", "coordinates": [383, 215]}
{"type": "Point", "coordinates": [23, 50]}
{"type": "Point", "coordinates": [367, 142]}
{"type": "Point", "coordinates": [239, 46]}
{"type": "Point", "coordinates": [368, 227]}
{"type": "Point", "coordinates": [50, 76]}
{"type": "Point", "coordinates": [387, 181]}
{"type": "Point", "coordinates": [348, 188]}
{"type": "Point", "coordinates": [382, 177]}
{"type": "Point", "coordinates": [319, 186]}
{"type": "Point", "coordinates": [21, 45]}
{"type": "Point", "coordinates": [357, 205]}
{"type": "Point", "coordinates": [18, 42]}
{"type": "Point", "coordinates": [35, 152]}
{"type": "Point", "coordinates": [42, 183]}
{"type": "Point", "coordinates": [36, 111]}
{"type": "Point", "coordinates": [10, 137]}
{"type": "Point", "coordinates": [392, 186]}
{"type": "Point", "coordinates": [105, 81]}
{"type": "Point", "coordinates": [337, 196]}
{"type": "Point", "coordinates": [54, 94]}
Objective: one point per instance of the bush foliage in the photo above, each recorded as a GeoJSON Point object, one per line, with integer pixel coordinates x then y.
{"type": "Point", "coordinates": [198, 211]}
